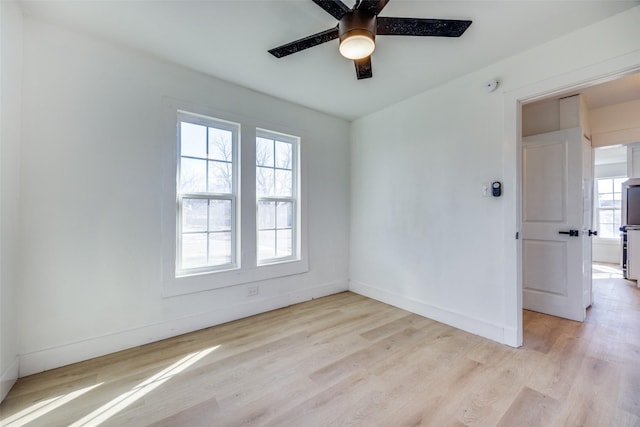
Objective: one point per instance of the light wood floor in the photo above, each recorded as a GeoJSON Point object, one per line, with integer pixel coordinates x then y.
{"type": "Point", "coordinates": [349, 360]}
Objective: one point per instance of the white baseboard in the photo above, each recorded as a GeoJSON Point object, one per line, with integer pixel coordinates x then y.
{"type": "Point", "coordinates": [55, 357]}
{"type": "Point", "coordinates": [8, 378]}
{"type": "Point", "coordinates": [475, 326]}
{"type": "Point", "coordinates": [511, 337]}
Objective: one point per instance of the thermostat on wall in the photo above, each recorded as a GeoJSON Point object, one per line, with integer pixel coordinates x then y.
{"type": "Point", "coordinates": [496, 189]}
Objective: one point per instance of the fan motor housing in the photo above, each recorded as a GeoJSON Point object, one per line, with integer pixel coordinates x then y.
{"type": "Point", "coordinates": [357, 22]}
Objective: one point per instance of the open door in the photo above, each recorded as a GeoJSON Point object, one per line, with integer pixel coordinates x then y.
{"type": "Point", "coordinates": [587, 222]}
{"type": "Point", "coordinates": [553, 224]}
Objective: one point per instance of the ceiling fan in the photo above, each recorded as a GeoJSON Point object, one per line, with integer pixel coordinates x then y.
{"type": "Point", "coordinates": [357, 29]}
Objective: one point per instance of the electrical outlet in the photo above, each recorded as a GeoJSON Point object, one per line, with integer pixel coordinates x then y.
{"type": "Point", "coordinates": [252, 291]}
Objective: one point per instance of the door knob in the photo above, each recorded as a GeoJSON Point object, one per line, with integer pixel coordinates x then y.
{"type": "Point", "coordinates": [593, 232]}
{"type": "Point", "coordinates": [572, 233]}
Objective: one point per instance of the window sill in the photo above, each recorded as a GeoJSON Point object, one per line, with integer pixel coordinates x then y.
{"type": "Point", "coordinates": [207, 281]}
{"type": "Point", "coordinates": [607, 240]}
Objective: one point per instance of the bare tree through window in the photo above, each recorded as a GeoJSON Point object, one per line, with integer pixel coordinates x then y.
{"type": "Point", "coordinates": [206, 193]}
{"type": "Point", "coordinates": [275, 185]}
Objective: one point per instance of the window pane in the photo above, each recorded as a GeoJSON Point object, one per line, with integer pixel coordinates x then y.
{"type": "Point", "coordinates": [266, 215]}
{"type": "Point", "coordinates": [192, 175]}
{"type": "Point", "coordinates": [220, 144]}
{"type": "Point", "coordinates": [607, 230]}
{"type": "Point", "coordinates": [606, 216]}
{"type": "Point", "coordinates": [283, 155]}
{"type": "Point", "coordinates": [284, 243]}
{"type": "Point", "coordinates": [194, 250]}
{"type": "Point", "coordinates": [193, 140]}
{"type": "Point", "coordinates": [194, 215]}
{"type": "Point", "coordinates": [266, 245]}
{"type": "Point", "coordinates": [219, 248]}
{"type": "Point", "coordinates": [264, 181]}
{"type": "Point", "coordinates": [285, 219]}
{"type": "Point", "coordinates": [617, 184]}
{"type": "Point", "coordinates": [264, 152]}
{"type": "Point", "coordinates": [283, 183]}
{"type": "Point", "coordinates": [605, 200]}
{"type": "Point", "coordinates": [219, 215]}
{"type": "Point", "coordinates": [220, 177]}
{"type": "Point", "coordinates": [605, 186]}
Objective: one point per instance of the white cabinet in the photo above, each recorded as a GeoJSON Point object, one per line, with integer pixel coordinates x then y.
{"type": "Point", "coordinates": [633, 253]}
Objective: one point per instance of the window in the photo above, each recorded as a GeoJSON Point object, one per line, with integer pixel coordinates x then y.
{"type": "Point", "coordinates": [207, 194]}
{"type": "Point", "coordinates": [608, 206]}
{"type": "Point", "coordinates": [238, 213]}
{"type": "Point", "coordinates": [276, 196]}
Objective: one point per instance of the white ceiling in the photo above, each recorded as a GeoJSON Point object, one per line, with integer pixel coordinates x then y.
{"type": "Point", "coordinates": [229, 40]}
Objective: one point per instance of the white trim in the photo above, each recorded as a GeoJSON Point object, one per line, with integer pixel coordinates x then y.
{"type": "Point", "coordinates": [590, 75]}
{"type": "Point", "coordinates": [455, 319]}
{"type": "Point", "coordinates": [8, 378]}
{"type": "Point", "coordinates": [54, 357]}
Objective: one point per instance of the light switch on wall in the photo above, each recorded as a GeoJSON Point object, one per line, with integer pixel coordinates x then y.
{"type": "Point", "coordinates": [486, 189]}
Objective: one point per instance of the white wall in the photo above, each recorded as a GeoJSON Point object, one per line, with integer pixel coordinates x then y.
{"type": "Point", "coordinates": [10, 104]}
{"type": "Point", "coordinates": [92, 197]}
{"type": "Point", "coordinates": [422, 237]}
{"type": "Point", "coordinates": [610, 170]}
{"type": "Point", "coordinates": [541, 117]}
{"type": "Point", "coordinates": [633, 160]}
{"type": "Point", "coordinates": [616, 124]}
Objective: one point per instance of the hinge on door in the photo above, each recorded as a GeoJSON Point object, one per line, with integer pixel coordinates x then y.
{"type": "Point", "coordinates": [517, 235]}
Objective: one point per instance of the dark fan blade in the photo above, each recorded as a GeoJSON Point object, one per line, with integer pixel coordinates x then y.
{"type": "Point", "coordinates": [305, 43]}
{"type": "Point", "coordinates": [373, 6]}
{"type": "Point", "coordinates": [421, 27]}
{"type": "Point", "coordinates": [363, 68]}
{"type": "Point", "coordinates": [335, 8]}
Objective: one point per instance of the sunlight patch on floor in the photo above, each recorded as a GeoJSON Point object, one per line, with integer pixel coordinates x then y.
{"type": "Point", "coordinates": [116, 405]}
{"type": "Point", "coordinates": [41, 408]}
{"type": "Point", "coordinates": [606, 271]}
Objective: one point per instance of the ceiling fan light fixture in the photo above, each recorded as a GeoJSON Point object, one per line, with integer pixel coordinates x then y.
{"type": "Point", "coordinates": [358, 27]}
{"type": "Point", "coordinates": [357, 44]}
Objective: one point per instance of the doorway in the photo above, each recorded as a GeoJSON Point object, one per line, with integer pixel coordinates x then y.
{"type": "Point", "coordinates": [564, 85]}
{"type": "Point", "coordinates": [603, 113]}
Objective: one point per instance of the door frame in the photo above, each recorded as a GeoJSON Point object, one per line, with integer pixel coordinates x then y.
{"type": "Point", "coordinates": [513, 100]}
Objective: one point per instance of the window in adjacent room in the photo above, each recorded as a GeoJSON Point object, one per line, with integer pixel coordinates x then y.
{"type": "Point", "coordinates": [608, 206]}
{"type": "Point", "coordinates": [207, 196]}
{"type": "Point", "coordinates": [276, 197]}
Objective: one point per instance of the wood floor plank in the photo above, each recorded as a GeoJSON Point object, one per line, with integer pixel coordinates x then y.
{"type": "Point", "coordinates": [593, 396]}
{"type": "Point", "coordinates": [629, 397]}
{"type": "Point", "coordinates": [531, 408]}
{"type": "Point", "coordinates": [197, 415]}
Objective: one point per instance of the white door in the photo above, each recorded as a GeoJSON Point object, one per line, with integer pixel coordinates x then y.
{"type": "Point", "coordinates": [587, 221]}
{"type": "Point", "coordinates": [552, 224]}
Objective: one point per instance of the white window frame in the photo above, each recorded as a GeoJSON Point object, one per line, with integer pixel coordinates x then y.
{"type": "Point", "coordinates": [233, 197]}
{"type": "Point", "coordinates": [248, 271]}
{"type": "Point", "coordinates": [597, 208]}
{"type": "Point", "coordinates": [295, 195]}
